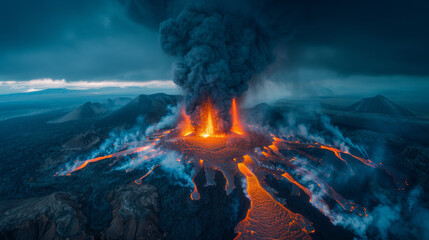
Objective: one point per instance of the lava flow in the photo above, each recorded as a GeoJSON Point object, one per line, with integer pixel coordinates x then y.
{"type": "Point", "coordinates": [251, 154]}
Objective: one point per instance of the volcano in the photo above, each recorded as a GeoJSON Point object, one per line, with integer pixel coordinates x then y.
{"type": "Point", "coordinates": [149, 107]}
{"type": "Point", "coordinates": [203, 119]}
{"type": "Point", "coordinates": [86, 111]}
{"type": "Point", "coordinates": [381, 105]}
{"type": "Point", "coordinates": [250, 153]}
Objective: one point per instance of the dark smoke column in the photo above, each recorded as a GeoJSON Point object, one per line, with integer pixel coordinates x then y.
{"type": "Point", "coordinates": [217, 53]}
{"type": "Point", "coordinates": [219, 45]}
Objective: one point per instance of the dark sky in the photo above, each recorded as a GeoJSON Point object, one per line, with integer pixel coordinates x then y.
{"type": "Point", "coordinates": [351, 41]}
{"type": "Point", "coordinates": [365, 37]}
{"type": "Point", "coordinates": [76, 40]}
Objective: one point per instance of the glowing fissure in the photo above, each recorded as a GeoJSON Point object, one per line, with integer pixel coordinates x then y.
{"type": "Point", "coordinates": [321, 184]}
{"type": "Point", "coordinates": [115, 155]}
{"type": "Point", "coordinates": [250, 154]}
{"type": "Point", "coordinates": [140, 180]}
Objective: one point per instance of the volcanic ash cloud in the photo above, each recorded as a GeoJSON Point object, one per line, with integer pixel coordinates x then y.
{"type": "Point", "coordinates": [219, 45]}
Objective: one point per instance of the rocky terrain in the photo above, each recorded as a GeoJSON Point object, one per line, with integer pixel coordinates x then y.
{"type": "Point", "coordinates": [60, 215]}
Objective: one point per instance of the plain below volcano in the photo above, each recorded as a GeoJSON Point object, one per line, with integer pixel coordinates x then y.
{"type": "Point", "coordinates": [380, 105]}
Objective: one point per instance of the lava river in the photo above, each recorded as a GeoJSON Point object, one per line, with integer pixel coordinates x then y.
{"type": "Point", "coordinates": [252, 154]}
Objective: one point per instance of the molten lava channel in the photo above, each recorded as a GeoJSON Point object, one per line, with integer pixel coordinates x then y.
{"type": "Point", "coordinates": [267, 218]}
{"type": "Point", "coordinates": [253, 155]}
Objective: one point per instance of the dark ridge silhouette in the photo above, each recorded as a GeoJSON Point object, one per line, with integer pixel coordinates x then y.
{"type": "Point", "coordinates": [381, 105]}
{"type": "Point", "coordinates": [115, 103]}
{"type": "Point", "coordinates": [151, 108]}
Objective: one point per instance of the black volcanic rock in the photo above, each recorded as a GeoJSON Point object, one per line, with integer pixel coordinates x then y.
{"type": "Point", "coordinates": [56, 216]}
{"type": "Point", "coordinates": [134, 210]}
{"type": "Point", "coordinates": [151, 108]}
{"type": "Point", "coordinates": [381, 105]}
{"type": "Point", "coordinates": [82, 141]}
{"type": "Point", "coordinates": [86, 111]}
{"type": "Point", "coordinates": [417, 160]}
{"type": "Point", "coordinates": [214, 216]}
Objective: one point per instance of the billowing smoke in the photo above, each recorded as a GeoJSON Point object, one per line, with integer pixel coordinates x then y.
{"type": "Point", "coordinates": [218, 53]}
{"type": "Point", "coordinates": [219, 45]}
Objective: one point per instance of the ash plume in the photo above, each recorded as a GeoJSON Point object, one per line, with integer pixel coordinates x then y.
{"type": "Point", "coordinates": [219, 45]}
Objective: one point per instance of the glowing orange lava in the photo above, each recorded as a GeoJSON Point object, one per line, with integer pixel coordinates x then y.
{"type": "Point", "coordinates": [186, 124]}
{"type": "Point", "coordinates": [115, 155]}
{"type": "Point", "coordinates": [236, 126]}
{"type": "Point", "coordinates": [207, 122]}
{"type": "Point", "coordinates": [208, 128]}
{"type": "Point", "coordinates": [140, 180]}
{"type": "Point", "coordinates": [267, 218]}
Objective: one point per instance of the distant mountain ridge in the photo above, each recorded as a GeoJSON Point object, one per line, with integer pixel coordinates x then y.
{"type": "Point", "coordinates": [93, 109]}
{"type": "Point", "coordinates": [117, 102]}
{"type": "Point", "coordinates": [86, 111]}
{"type": "Point", "coordinates": [150, 107]}
{"type": "Point", "coordinates": [381, 105]}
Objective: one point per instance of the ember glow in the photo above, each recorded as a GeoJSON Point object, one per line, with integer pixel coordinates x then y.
{"type": "Point", "coordinates": [247, 152]}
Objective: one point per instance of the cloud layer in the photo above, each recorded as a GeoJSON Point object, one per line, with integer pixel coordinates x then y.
{"type": "Point", "coordinates": [47, 83]}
